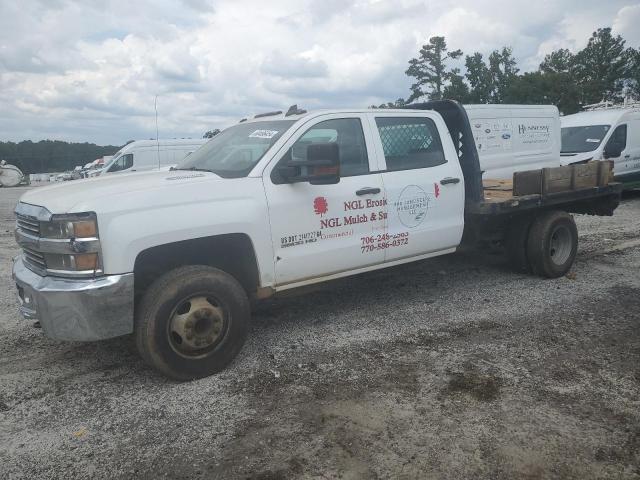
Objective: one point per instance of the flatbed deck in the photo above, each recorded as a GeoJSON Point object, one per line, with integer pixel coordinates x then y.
{"type": "Point", "coordinates": [499, 198]}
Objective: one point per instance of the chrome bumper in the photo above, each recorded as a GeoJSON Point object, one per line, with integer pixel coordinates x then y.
{"type": "Point", "coordinates": [74, 309]}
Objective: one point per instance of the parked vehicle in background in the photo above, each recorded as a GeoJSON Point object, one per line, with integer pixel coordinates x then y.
{"type": "Point", "coordinates": [274, 203]}
{"type": "Point", "coordinates": [10, 175]}
{"type": "Point", "coordinates": [143, 155]}
{"type": "Point", "coordinates": [97, 167]}
{"type": "Point", "coordinates": [514, 138]}
{"type": "Point", "coordinates": [64, 177]}
{"type": "Point", "coordinates": [606, 133]}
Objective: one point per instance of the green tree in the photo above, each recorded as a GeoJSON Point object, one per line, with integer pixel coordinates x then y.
{"type": "Point", "coordinates": [211, 133]}
{"type": "Point", "coordinates": [457, 89]}
{"type": "Point", "coordinates": [479, 78]}
{"type": "Point", "coordinates": [430, 69]}
{"type": "Point", "coordinates": [540, 88]}
{"type": "Point", "coordinates": [633, 72]}
{"type": "Point", "coordinates": [51, 155]}
{"type": "Point", "coordinates": [503, 70]}
{"type": "Point", "coordinates": [601, 66]}
{"type": "Point", "coordinates": [558, 61]}
{"type": "Point", "coordinates": [400, 102]}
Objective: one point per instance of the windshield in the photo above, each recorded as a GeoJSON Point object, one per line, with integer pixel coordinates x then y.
{"type": "Point", "coordinates": [235, 151]}
{"type": "Point", "coordinates": [583, 139]}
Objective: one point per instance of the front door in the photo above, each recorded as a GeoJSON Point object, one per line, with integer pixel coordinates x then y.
{"type": "Point", "coordinates": [626, 139]}
{"type": "Point", "coordinates": [320, 230]}
{"type": "Point", "coordinates": [423, 182]}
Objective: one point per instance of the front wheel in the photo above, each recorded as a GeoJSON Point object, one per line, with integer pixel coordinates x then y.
{"type": "Point", "coordinates": [192, 322]}
{"type": "Point", "coordinates": [552, 244]}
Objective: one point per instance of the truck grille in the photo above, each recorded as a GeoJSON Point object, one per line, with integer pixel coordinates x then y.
{"type": "Point", "coordinates": [34, 259]}
{"type": "Point", "coordinates": [28, 225]}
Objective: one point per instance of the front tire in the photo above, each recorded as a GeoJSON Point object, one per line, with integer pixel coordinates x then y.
{"type": "Point", "coordinates": [552, 244]}
{"type": "Point", "coordinates": [192, 322]}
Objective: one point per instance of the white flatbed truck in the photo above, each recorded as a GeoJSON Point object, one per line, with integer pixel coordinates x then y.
{"type": "Point", "coordinates": [274, 203]}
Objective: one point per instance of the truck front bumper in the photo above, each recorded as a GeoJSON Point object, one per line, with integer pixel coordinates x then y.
{"type": "Point", "coordinates": [76, 309]}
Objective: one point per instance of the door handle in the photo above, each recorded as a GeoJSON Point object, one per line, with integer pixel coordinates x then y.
{"type": "Point", "coordinates": [367, 191]}
{"type": "Point", "coordinates": [627, 156]}
{"type": "Point", "coordinates": [448, 180]}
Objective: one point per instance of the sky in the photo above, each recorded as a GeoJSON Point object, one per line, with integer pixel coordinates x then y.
{"type": "Point", "coordinates": [90, 70]}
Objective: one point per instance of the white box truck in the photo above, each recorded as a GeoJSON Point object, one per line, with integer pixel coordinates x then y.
{"type": "Point", "coordinates": [605, 134]}
{"type": "Point", "coordinates": [514, 138]}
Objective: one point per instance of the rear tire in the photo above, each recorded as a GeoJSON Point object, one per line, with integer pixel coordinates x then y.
{"type": "Point", "coordinates": [552, 244]}
{"type": "Point", "coordinates": [515, 244]}
{"type": "Point", "coordinates": [192, 322]}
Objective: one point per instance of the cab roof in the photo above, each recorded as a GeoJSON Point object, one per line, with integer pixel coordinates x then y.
{"type": "Point", "coordinates": [315, 113]}
{"type": "Point", "coordinates": [600, 117]}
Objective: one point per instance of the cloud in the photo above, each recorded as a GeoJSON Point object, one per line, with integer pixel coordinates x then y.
{"type": "Point", "coordinates": [89, 71]}
{"type": "Point", "coordinates": [627, 24]}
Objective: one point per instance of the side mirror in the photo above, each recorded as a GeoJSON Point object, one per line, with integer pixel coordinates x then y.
{"type": "Point", "coordinates": [612, 150]}
{"type": "Point", "coordinates": [321, 166]}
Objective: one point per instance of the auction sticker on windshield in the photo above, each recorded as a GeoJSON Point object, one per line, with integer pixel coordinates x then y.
{"type": "Point", "coordinates": [264, 134]}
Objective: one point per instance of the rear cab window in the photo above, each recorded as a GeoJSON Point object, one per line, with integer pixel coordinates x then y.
{"type": "Point", "coordinates": [410, 142]}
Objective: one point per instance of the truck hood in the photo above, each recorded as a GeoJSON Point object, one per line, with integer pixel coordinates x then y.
{"type": "Point", "coordinates": [568, 158]}
{"type": "Point", "coordinates": [84, 195]}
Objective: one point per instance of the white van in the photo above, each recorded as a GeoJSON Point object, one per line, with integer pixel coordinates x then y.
{"type": "Point", "coordinates": [512, 138]}
{"type": "Point", "coordinates": [608, 133]}
{"type": "Point", "coordinates": [144, 155]}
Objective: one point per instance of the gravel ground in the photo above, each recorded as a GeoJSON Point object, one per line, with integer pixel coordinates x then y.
{"type": "Point", "coordinates": [448, 368]}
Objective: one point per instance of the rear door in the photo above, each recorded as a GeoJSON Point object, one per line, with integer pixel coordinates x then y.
{"type": "Point", "coordinates": [423, 183]}
{"type": "Point", "coordinates": [318, 230]}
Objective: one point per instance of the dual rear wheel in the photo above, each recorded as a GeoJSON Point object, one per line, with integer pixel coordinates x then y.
{"type": "Point", "coordinates": [545, 245]}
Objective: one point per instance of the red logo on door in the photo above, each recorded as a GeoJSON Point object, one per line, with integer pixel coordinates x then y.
{"type": "Point", "coordinates": [436, 190]}
{"type": "Point", "coordinates": [320, 206]}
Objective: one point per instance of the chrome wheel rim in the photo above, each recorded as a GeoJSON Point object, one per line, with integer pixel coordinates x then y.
{"type": "Point", "coordinates": [197, 325]}
{"type": "Point", "coordinates": [560, 245]}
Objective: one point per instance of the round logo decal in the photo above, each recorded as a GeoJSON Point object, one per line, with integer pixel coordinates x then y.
{"type": "Point", "coordinates": [412, 206]}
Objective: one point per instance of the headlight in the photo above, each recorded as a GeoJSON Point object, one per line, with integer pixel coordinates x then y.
{"type": "Point", "coordinates": [70, 245]}
{"type": "Point", "coordinates": [77, 225]}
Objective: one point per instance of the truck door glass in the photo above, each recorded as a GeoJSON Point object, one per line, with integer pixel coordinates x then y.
{"type": "Point", "coordinates": [618, 140]}
{"type": "Point", "coordinates": [347, 133]}
{"type": "Point", "coordinates": [410, 143]}
{"type": "Point", "coordinates": [122, 163]}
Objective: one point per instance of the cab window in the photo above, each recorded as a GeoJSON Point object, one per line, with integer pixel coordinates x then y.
{"type": "Point", "coordinates": [122, 163]}
{"type": "Point", "coordinates": [347, 133]}
{"type": "Point", "coordinates": [410, 143]}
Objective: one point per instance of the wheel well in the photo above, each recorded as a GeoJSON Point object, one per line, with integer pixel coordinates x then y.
{"type": "Point", "coordinates": [232, 253]}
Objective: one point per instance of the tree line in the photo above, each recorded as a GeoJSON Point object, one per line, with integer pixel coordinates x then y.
{"type": "Point", "coordinates": [51, 155]}
{"type": "Point", "coordinates": [606, 69]}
